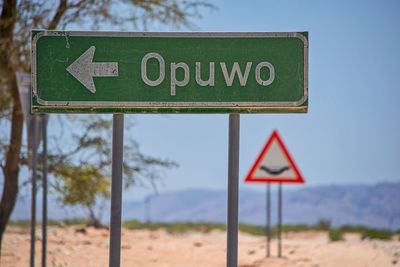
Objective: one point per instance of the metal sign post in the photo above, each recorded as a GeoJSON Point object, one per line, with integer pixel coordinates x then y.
{"type": "Point", "coordinates": [35, 132]}
{"type": "Point", "coordinates": [233, 190]}
{"type": "Point", "coordinates": [33, 204]}
{"type": "Point", "coordinates": [44, 118]}
{"type": "Point", "coordinates": [116, 190]}
{"type": "Point", "coordinates": [280, 221]}
{"type": "Point", "coordinates": [268, 223]}
{"type": "Point", "coordinates": [147, 207]}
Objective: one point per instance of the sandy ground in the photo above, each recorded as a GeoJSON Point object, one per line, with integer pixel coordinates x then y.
{"type": "Point", "coordinates": [66, 247]}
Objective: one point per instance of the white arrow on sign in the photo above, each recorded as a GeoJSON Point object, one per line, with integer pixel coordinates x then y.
{"type": "Point", "coordinates": [84, 69]}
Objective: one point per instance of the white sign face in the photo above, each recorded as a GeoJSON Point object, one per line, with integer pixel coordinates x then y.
{"type": "Point", "coordinates": [274, 164]}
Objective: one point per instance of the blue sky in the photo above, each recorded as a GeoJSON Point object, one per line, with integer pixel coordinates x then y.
{"type": "Point", "coordinates": [351, 133]}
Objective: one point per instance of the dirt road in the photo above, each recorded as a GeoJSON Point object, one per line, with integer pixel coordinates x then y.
{"type": "Point", "coordinates": [67, 247]}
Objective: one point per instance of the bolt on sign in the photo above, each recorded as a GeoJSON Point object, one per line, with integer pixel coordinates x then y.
{"type": "Point", "coordinates": [171, 72]}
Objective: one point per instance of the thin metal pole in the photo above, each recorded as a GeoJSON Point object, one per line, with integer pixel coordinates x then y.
{"type": "Point", "coordinates": [44, 211]}
{"type": "Point", "coordinates": [268, 232]}
{"type": "Point", "coordinates": [33, 204]}
{"type": "Point", "coordinates": [147, 204]}
{"type": "Point", "coordinates": [280, 221]}
{"type": "Point", "coordinates": [233, 191]}
{"type": "Point", "coordinates": [116, 190]}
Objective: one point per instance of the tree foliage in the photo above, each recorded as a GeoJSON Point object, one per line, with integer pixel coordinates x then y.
{"type": "Point", "coordinates": [82, 185]}
{"type": "Point", "coordinates": [87, 152]}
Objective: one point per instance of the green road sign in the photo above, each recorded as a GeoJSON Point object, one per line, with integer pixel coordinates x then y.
{"type": "Point", "coordinates": [154, 72]}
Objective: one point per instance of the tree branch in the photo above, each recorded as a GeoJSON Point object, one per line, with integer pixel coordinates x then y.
{"type": "Point", "coordinates": [62, 7]}
{"type": "Point", "coordinates": [7, 19]}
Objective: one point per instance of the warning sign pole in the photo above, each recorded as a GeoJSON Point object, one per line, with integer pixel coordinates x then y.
{"type": "Point", "coordinates": [280, 221]}
{"type": "Point", "coordinates": [268, 229]}
{"type": "Point", "coordinates": [274, 164]}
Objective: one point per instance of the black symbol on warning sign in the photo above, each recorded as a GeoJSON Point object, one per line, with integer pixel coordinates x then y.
{"type": "Point", "coordinates": [274, 171]}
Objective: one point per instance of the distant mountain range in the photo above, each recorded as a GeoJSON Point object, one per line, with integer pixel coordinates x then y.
{"type": "Point", "coordinates": [375, 206]}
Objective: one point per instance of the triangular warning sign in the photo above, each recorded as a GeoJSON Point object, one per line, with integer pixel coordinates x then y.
{"type": "Point", "coordinates": [274, 164]}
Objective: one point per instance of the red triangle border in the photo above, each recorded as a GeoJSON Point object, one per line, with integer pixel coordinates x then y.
{"type": "Point", "coordinates": [299, 177]}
